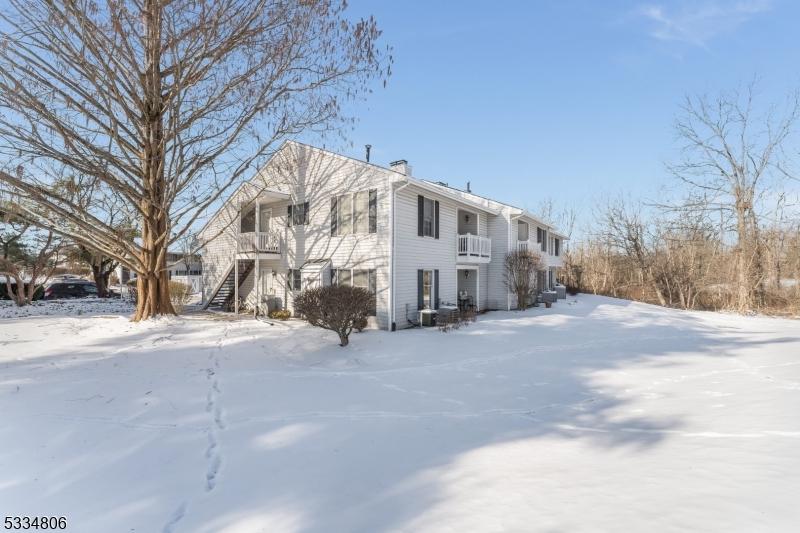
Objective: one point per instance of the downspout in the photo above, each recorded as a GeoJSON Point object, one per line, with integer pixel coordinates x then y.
{"type": "Point", "coordinates": [393, 238]}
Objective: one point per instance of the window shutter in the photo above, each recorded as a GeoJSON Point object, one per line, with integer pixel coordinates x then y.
{"type": "Point", "coordinates": [289, 215]}
{"type": "Point", "coordinates": [436, 289]}
{"type": "Point", "coordinates": [420, 297]}
{"type": "Point", "coordinates": [334, 214]}
{"type": "Point", "coordinates": [436, 219]}
{"type": "Point", "coordinates": [420, 210]}
{"type": "Point", "coordinates": [305, 213]}
{"type": "Point", "coordinates": [373, 210]}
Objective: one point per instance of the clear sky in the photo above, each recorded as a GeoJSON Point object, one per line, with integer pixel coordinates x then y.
{"type": "Point", "coordinates": [572, 100]}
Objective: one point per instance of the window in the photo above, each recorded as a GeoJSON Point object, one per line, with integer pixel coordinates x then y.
{"type": "Point", "coordinates": [297, 214]}
{"type": "Point", "coordinates": [427, 289]}
{"type": "Point", "coordinates": [428, 217]}
{"type": "Point", "coordinates": [293, 279]}
{"type": "Point", "coordinates": [522, 231]}
{"type": "Point", "coordinates": [364, 278]}
{"type": "Point", "coordinates": [248, 223]}
{"type": "Point", "coordinates": [354, 213]}
{"type": "Point", "coordinates": [542, 238]}
{"type": "Point", "coordinates": [361, 212]}
{"type": "Point", "coordinates": [361, 279]}
{"type": "Point", "coordinates": [557, 247]}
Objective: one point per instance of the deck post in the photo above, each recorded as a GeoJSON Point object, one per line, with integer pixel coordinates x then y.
{"type": "Point", "coordinates": [258, 286]}
{"type": "Point", "coordinates": [236, 285]}
{"type": "Point", "coordinates": [478, 289]}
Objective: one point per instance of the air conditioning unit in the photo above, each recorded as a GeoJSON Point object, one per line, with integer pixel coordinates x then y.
{"type": "Point", "coordinates": [427, 318]}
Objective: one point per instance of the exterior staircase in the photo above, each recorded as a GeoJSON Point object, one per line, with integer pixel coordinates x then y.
{"type": "Point", "coordinates": [223, 297]}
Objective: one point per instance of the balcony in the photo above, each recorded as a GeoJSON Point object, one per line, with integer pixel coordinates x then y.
{"type": "Point", "coordinates": [261, 242]}
{"type": "Point", "coordinates": [473, 249]}
{"type": "Point", "coordinates": [529, 246]}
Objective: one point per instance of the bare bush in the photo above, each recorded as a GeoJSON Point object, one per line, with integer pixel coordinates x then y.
{"type": "Point", "coordinates": [339, 308]}
{"type": "Point", "coordinates": [520, 274]}
{"type": "Point", "coordinates": [179, 295]}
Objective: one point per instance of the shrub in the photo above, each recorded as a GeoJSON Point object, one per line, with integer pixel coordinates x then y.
{"type": "Point", "coordinates": [520, 273]}
{"type": "Point", "coordinates": [339, 308]}
{"type": "Point", "coordinates": [280, 314]}
{"type": "Point", "coordinates": [179, 294]}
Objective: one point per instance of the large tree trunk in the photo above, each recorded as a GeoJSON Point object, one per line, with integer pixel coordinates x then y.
{"type": "Point", "coordinates": [152, 285]}
{"type": "Point", "coordinates": [100, 279]}
{"type": "Point", "coordinates": [743, 302]}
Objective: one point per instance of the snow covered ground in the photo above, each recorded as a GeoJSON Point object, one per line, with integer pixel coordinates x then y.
{"type": "Point", "coordinates": [595, 415]}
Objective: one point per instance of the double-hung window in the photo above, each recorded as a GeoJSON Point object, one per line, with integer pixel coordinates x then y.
{"type": "Point", "coordinates": [294, 279]}
{"type": "Point", "coordinates": [428, 217]}
{"type": "Point", "coordinates": [363, 278]}
{"type": "Point", "coordinates": [297, 214]}
{"type": "Point", "coordinates": [354, 213]}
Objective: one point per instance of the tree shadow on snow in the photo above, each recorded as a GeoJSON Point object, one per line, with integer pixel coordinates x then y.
{"type": "Point", "coordinates": [310, 437]}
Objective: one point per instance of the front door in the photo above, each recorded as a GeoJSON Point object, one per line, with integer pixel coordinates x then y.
{"type": "Point", "coordinates": [268, 282]}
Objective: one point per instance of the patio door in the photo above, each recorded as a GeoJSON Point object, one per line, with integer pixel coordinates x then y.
{"type": "Point", "coordinates": [264, 219]}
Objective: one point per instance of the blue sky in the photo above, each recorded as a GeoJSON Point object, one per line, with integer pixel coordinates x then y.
{"type": "Point", "coordinates": [570, 100]}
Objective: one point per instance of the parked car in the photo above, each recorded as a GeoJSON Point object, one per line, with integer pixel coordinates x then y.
{"type": "Point", "coordinates": [70, 289]}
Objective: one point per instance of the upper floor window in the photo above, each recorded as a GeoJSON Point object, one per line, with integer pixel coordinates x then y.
{"type": "Point", "coordinates": [354, 213]}
{"type": "Point", "coordinates": [541, 238]}
{"type": "Point", "coordinates": [522, 231]}
{"type": "Point", "coordinates": [297, 214]}
{"type": "Point", "coordinates": [427, 217]}
{"type": "Point", "coordinates": [556, 247]}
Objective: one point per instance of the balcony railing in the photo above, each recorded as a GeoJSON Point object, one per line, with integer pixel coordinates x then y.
{"type": "Point", "coordinates": [473, 248]}
{"type": "Point", "coordinates": [257, 241]}
{"type": "Point", "coordinates": [528, 246]}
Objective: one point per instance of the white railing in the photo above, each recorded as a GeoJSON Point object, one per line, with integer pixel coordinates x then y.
{"type": "Point", "coordinates": [527, 246]}
{"type": "Point", "coordinates": [257, 241]}
{"type": "Point", "coordinates": [474, 247]}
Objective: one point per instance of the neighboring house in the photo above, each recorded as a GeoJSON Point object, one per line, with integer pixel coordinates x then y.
{"type": "Point", "coordinates": [188, 270]}
{"type": "Point", "coordinates": [312, 217]}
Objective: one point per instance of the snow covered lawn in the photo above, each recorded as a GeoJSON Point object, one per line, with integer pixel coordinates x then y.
{"type": "Point", "coordinates": [595, 415]}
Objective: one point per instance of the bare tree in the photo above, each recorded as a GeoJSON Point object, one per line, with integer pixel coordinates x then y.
{"type": "Point", "coordinates": [520, 274]}
{"type": "Point", "coordinates": [29, 256]}
{"type": "Point", "coordinates": [730, 156]}
{"type": "Point", "coordinates": [166, 105]}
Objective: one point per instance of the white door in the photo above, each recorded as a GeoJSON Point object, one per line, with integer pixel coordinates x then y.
{"type": "Point", "coordinates": [267, 282]}
{"type": "Point", "coordinates": [264, 219]}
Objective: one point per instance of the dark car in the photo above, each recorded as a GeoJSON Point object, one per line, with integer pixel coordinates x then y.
{"type": "Point", "coordinates": [70, 289]}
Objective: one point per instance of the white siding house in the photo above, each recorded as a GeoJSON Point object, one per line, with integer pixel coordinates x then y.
{"type": "Point", "coordinates": [311, 217]}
